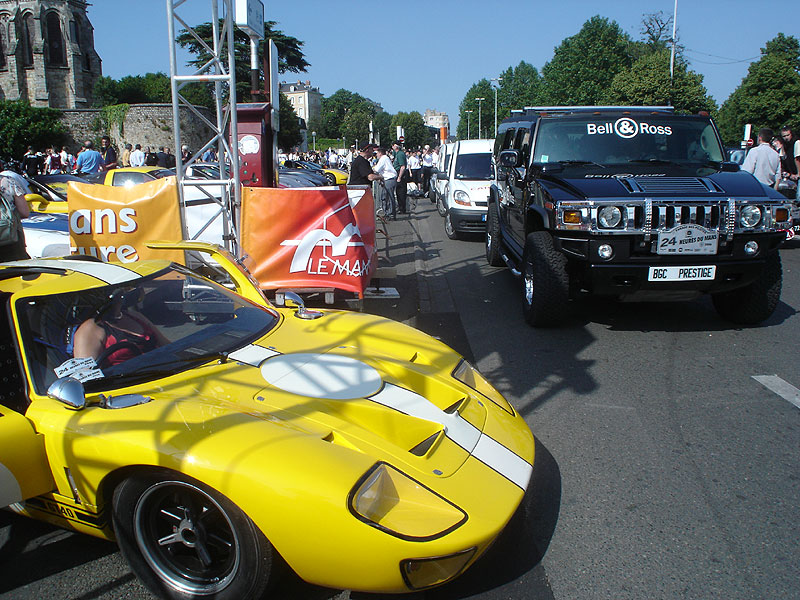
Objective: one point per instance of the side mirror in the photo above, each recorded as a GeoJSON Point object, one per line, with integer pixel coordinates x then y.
{"type": "Point", "coordinates": [37, 202]}
{"type": "Point", "coordinates": [442, 176]}
{"type": "Point", "coordinates": [291, 299]}
{"type": "Point", "coordinates": [69, 391]}
{"type": "Point", "coordinates": [510, 158]}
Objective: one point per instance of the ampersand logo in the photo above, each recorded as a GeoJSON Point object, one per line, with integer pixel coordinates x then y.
{"type": "Point", "coordinates": [626, 128]}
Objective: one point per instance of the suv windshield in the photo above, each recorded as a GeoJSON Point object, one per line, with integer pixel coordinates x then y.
{"type": "Point", "coordinates": [136, 331]}
{"type": "Point", "coordinates": [474, 166]}
{"type": "Point", "coordinates": [637, 139]}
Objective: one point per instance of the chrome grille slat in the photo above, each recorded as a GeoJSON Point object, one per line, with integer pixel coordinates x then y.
{"type": "Point", "coordinates": [672, 185]}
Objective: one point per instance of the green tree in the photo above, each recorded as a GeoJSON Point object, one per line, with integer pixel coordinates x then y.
{"type": "Point", "coordinates": [356, 125]}
{"type": "Point", "coordinates": [381, 125]}
{"type": "Point", "coordinates": [416, 133]}
{"type": "Point", "coordinates": [647, 83]}
{"type": "Point", "coordinates": [769, 95]}
{"type": "Point", "coordinates": [520, 86]}
{"type": "Point", "coordinates": [584, 65]}
{"type": "Point", "coordinates": [334, 111]}
{"type": "Point", "coordinates": [289, 135]}
{"type": "Point", "coordinates": [482, 89]}
{"type": "Point", "coordinates": [106, 91]}
{"type": "Point", "coordinates": [22, 125]}
{"type": "Point", "coordinates": [290, 52]}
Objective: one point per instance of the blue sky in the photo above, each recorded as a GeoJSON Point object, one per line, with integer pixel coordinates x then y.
{"type": "Point", "coordinates": [411, 55]}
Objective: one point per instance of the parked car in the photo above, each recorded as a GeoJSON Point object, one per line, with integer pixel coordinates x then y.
{"type": "Point", "coordinates": [213, 435]}
{"type": "Point", "coordinates": [466, 187]}
{"type": "Point", "coordinates": [438, 185]}
{"type": "Point", "coordinates": [290, 177]}
{"type": "Point", "coordinates": [332, 176]}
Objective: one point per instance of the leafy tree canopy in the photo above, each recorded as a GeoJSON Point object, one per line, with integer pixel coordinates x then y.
{"type": "Point", "coordinates": [22, 125]}
{"type": "Point", "coordinates": [289, 135]}
{"type": "Point", "coordinates": [133, 89]}
{"type": "Point", "coordinates": [584, 65]}
{"type": "Point", "coordinates": [334, 111]}
{"type": "Point", "coordinates": [769, 95]}
{"type": "Point", "coordinates": [417, 134]}
{"type": "Point", "coordinates": [482, 89]}
{"type": "Point", "coordinates": [290, 53]}
{"type": "Point", "coordinates": [647, 83]}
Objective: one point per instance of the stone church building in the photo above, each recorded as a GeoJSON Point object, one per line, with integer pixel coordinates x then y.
{"type": "Point", "coordinates": [47, 53]}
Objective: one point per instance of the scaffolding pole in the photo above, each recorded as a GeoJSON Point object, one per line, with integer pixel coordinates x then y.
{"type": "Point", "coordinates": [220, 71]}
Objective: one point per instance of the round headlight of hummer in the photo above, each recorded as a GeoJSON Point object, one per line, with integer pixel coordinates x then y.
{"type": "Point", "coordinates": [609, 217]}
{"type": "Point", "coordinates": [750, 216]}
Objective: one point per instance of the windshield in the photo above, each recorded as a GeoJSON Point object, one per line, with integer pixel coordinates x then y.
{"type": "Point", "coordinates": [646, 139]}
{"type": "Point", "coordinates": [133, 332]}
{"type": "Point", "coordinates": [474, 166]}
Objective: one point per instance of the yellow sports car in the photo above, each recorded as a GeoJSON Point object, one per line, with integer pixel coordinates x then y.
{"type": "Point", "coordinates": [208, 432]}
{"type": "Point", "coordinates": [334, 176]}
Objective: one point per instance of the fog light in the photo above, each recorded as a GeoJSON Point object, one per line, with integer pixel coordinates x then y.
{"type": "Point", "coordinates": [426, 572]}
{"type": "Point", "coordinates": [572, 216]}
{"type": "Point", "coordinates": [605, 251]}
{"type": "Point", "coordinates": [751, 248]}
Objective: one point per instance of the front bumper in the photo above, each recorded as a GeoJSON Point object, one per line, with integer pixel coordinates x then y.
{"type": "Point", "coordinates": [628, 270]}
{"type": "Point", "coordinates": [468, 220]}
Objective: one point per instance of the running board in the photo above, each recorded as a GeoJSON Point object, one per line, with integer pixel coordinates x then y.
{"type": "Point", "coordinates": [510, 265]}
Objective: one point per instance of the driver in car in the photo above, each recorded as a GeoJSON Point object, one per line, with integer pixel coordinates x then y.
{"type": "Point", "coordinates": [117, 332]}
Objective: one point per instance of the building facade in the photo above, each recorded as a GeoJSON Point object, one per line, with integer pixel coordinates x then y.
{"type": "Point", "coordinates": [305, 99]}
{"type": "Point", "coordinates": [47, 54]}
{"type": "Point", "coordinates": [437, 119]}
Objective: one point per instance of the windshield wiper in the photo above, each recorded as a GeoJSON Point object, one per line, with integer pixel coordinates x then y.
{"type": "Point", "coordinates": [161, 369]}
{"type": "Point", "coordinates": [582, 162]}
{"type": "Point", "coordinates": [654, 161]}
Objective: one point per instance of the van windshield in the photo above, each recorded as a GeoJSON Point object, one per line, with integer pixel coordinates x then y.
{"type": "Point", "coordinates": [654, 139]}
{"type": "Point", "coordinates": [474, 166]}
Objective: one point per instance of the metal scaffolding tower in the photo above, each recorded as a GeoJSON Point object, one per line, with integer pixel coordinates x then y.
{"type": "Point", "coordinates": [220, 71]}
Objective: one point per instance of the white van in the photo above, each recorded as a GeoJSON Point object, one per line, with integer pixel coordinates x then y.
{"type": "Point", "coordinates": [466, 187]}
{"type": "Point", "coordinates": [438, 186]}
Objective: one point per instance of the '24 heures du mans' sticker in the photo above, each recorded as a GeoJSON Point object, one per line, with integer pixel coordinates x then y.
{"type": "Point", "coordinates": [82, 369]}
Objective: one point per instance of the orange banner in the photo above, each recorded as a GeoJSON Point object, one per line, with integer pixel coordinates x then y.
{"type": "Point", "coordinates": [113, 223]}
{"type": "Point", "coordinates": [309, 238]}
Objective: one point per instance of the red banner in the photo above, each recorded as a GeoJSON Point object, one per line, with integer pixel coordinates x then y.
{"type": "Point", "coordinates": [309, 238]}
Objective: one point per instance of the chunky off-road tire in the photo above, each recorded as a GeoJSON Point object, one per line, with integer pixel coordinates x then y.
{"type": "Point", "coordinates": [449, 230]}
{"type": "Point", "coordinates": [493, 254]}
{"type": "Point", "coordinates": [440, 205]}
{"type": "Point", "coordinates": [185, 540]}
{"type": "Point", "coordinates": [545, 281]}
{"type": "Point", "coordinates": [755, 302]}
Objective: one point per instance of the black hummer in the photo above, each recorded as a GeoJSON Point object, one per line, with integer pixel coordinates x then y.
{"type": "Point", "coordinates": [630, 200]}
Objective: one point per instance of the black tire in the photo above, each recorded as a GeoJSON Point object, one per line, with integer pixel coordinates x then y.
{"type": "Point", "coordinates": [449, 229]}
{"type": "Point", "coordinates": [753, 303]}
{"type": "Point", "coordinates": [440, 206]}
{"type": "Point", "coordinates": [545, 291]}
{"type": "Point", "coordinates": [331, 178]}
{"type": "Point", "coordinates": [217, 550]}
{"type": "Point", "coordinates": [493, 255]}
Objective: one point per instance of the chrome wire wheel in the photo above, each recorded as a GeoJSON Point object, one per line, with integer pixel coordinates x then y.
{"type": "Point", "coordinates": [187, 538]}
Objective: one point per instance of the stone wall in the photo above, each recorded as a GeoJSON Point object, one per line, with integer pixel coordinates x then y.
{"type": "Point", "coordinates": [145, 124]}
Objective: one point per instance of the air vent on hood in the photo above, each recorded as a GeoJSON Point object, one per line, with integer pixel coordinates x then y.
{"type": "Point", "coordinates": [672, 185]}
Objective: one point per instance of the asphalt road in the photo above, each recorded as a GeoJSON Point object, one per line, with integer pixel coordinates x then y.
{"type": "Point", "coordinates": [663, 468]}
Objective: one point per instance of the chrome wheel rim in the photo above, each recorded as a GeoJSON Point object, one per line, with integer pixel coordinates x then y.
{"type": "Point", "coordinates": [528, 286]}
{"type": "Point", "coordinates": [186, 537]}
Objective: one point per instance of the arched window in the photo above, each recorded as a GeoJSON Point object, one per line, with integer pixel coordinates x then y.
{"type": "Point", "coordinates": [55, 41]}
{"type": "Point", "coordinates": [27, 40]}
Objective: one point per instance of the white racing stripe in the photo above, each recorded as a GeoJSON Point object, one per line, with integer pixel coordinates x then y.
{"type": "Point", "coordinates": [490, 452]}
{"type": "Point", "coordinates": [103, 271]}
{"type": "Point", "coordinates": [784, 389]}
{"type": "Point", "coordinates": [252, 355]}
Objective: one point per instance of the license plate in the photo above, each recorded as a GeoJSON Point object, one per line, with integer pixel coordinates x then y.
{"type": "Point", "coordinates": [687, 239]}
{"type": "Point", "coordinates": [705, 273]}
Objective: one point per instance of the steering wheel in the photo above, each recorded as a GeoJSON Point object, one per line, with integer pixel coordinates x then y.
{"type": "Point", "coordinates": [118, 346]}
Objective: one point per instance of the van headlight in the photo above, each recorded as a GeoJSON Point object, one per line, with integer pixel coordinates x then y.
{"type": "Point", "coordinates": [393, 502]}
{"type": "Point", "coordinates": [461, 197]}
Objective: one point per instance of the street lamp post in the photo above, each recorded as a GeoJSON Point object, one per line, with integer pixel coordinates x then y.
{"type": "Point", "coordinates": [479, 100]}
{"type": "Point", "coordinates": [314, 138]}
{"type": "Point", "coordinates": [497, 81]}
{"type": "Point", "coordinates": [469, 112]}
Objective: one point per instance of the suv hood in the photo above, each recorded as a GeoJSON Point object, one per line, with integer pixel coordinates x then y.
{"type": "Point", "coordinates": [672, 183]}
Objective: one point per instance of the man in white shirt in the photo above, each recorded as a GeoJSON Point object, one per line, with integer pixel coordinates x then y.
{"type": "Point", "coordinates": [385, 169]}
{"type": "Point", "coordinates": [137, 156]}
{"type": "Point", "coordinates": [762, 161]}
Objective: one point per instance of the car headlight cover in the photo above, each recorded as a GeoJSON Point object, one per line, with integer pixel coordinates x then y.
{"type": "Point", "coordinates": [461, 197]}
{"type": "Point", "coordinates": [750, 216]}
{"type": "Point", "coordinates": [393, 502]}
{"type": "Point", "coordinates": [609, 217]}
{"type": "Point", "coordinates": [470, 376]}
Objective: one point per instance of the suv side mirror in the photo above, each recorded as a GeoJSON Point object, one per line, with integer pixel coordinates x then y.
{"type": "Point", "coordinates": [510, 158]}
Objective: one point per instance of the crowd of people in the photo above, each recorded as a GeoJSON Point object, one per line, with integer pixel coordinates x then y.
{"type": "Point", "coordinates": [775, 160]}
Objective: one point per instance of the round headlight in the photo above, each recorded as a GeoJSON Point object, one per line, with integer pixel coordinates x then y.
{"type": "Point", "coordinates": [609, 217]}
{"type": "Point", "coordinates": [750, 216]}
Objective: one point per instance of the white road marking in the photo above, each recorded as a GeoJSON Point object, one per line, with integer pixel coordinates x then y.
{"type": "Point", "coordinates": [784, 389]}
